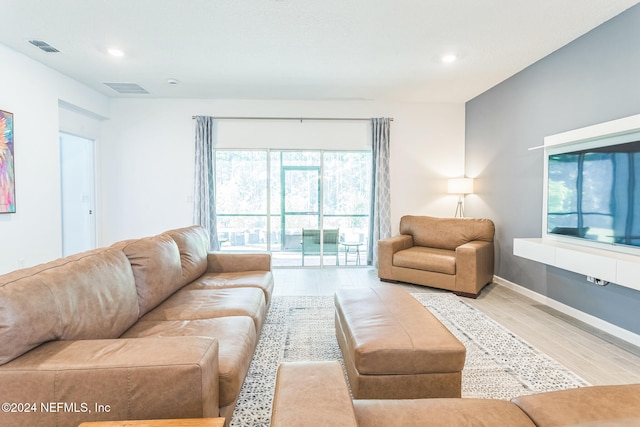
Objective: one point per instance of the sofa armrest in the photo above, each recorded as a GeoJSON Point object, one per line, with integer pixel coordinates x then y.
{"type": "Point", "coordinates": [69, 382]}
{"type": "Point", "coordinates": [225, 262]}
{"type": "Point", "coordinates": [474, 266]}
{"type": "Point", "coordinates": [386, 249]}
{"type": "Point", "coordinates": [609, 405]}
{"type": "Point", "coordinates": [312, 394]}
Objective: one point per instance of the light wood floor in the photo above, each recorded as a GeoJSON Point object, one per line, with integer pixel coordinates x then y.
{"type": "Point", "coordinates": [597, 357]}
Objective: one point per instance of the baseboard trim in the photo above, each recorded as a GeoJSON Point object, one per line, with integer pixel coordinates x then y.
{"type": "Point", "coordinates": [589, 319]}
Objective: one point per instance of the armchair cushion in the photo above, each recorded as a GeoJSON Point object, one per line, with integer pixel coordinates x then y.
{"type": "Point", "coordinates": [428, 259]}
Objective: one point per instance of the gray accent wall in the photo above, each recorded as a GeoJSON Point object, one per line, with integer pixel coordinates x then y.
{"type": "Point", "coordinates": [594, 79]}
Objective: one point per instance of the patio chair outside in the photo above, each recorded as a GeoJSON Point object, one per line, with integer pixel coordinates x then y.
{"type": "Point", "coordinates": [311, 242]}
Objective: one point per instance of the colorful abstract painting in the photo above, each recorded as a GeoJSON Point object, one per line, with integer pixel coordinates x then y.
{"type": "Point", "coordinates": [7, 174]}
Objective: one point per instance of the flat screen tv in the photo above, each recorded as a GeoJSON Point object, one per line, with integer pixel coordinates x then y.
{"type": "Point", "coordinates": [594, 194]}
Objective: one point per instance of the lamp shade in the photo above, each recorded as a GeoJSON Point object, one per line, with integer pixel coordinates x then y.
{"type": "Point", "coordinates": [460, 186]}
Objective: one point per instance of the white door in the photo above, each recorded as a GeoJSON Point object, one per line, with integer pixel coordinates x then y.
{"type": "Point", "coordinates": [77, 175]}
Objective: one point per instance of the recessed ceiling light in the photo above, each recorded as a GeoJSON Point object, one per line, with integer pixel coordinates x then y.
{"type": "Point", "coordinates": [115, 52]}
{"type": "Point", "coordinates": [172, 81]}
{"type": "Point", "coordinates": [449, 58]}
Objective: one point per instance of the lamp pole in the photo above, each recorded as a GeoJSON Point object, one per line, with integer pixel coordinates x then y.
{"type": "Point", "coordinates": [460, 207]}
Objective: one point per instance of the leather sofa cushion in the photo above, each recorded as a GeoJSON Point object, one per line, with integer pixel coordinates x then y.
{"type": "Point", "coordinates": [87, 296]}
{"type": "Point", "coordinates": [427, 259]}
{"type": "Point", "coordinates": [581, 406]}
{"type": "Point", "coordinates": [446, 233]}
{"type": "Point", "coordinates": [237, 279]}
{"type": "Point", "coordinates": [31, 271]}
{"type": "Point", "coordinates": [148, 378]}
{"type": "Point", "coordinates": [439, 413]}
{"type": "Point", "coordinates": [389, 332]}
{"type": "Point", "coordinates": [236, 337]}
{"type": "Point", "coordinates": [212, 303]}
{"type": "Point", "coordinates": [156, 266]}
{"type": "Point", "coordinates": [193, 244]}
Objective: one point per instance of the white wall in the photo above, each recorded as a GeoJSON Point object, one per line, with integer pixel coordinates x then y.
{"type": "Point", "coordinates": [32, 92]}
{"type": "Point", "coordinates": [146, 156]}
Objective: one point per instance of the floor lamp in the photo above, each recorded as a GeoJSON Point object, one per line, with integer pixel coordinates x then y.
{"type": "Point", "coordinates": [460, 186]}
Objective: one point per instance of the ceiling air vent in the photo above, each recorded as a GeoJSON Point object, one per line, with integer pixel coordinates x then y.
{"type": "Point", "coordinates": [44, 46]}
{"type": "Point", "coordinates": [127, 87]}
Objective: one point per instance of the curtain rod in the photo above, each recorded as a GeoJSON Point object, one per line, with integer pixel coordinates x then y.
{"type": "Point", "coordinates": [292, 118]}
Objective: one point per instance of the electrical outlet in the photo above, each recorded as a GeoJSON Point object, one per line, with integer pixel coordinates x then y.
{"type": "Point", "coordinates": [597, 281]}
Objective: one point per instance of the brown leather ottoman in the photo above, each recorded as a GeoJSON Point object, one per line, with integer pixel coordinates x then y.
{"type": "Point", "coordinates": [394, 348]}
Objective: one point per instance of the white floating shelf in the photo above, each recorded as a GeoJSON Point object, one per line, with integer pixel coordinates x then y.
{"type": "Point", "coordinates": [622, 269]}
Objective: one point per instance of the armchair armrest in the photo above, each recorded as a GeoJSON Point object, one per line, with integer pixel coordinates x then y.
{"type": "Point", "coordinates": [474, 266]}
{"type": "Point", "coordinates": [312, 394]}
{"type": "Point", "coordinates": [386, 249]}
{"type": "Point", "coordinates": [112, 379]}
{"type": "Point", "coordinates": [225, 262]}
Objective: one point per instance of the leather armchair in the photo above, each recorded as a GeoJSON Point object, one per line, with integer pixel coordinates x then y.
{"type": "Point", "coordinates": [456, 254]}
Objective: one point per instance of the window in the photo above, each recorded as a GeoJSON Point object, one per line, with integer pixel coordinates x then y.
{"type": "Point", "coordinates": [266, 198]}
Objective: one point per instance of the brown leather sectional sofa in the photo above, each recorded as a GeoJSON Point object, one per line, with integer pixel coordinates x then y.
{"type": "Point", "coordinates": [315, 394]}
{"type": "Point", "coordinates": [144, 329]}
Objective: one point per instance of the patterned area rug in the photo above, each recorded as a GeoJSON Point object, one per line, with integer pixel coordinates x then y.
{"type": "Point", "coordinates": [498, 365]}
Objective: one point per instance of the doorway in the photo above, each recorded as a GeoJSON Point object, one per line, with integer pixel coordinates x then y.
{"type": "Point", "coordinates": [77, 182]}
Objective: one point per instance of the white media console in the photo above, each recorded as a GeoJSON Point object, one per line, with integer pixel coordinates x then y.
{"type": "Point", "coordinates": [622, 269]}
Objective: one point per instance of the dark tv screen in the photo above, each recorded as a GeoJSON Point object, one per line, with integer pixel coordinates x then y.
{"type": "Point", "coordinates": [594, 194]}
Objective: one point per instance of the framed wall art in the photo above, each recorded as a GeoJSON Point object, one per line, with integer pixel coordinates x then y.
{"type": "Point", "coordinates": [7, 172]}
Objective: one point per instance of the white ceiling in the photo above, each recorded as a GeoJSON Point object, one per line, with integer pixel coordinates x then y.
{"type": "Point", "coordinates": [299, 49]}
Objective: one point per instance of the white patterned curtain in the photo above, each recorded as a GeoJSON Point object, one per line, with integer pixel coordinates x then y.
{"type": "Point", "coordinates": [204, 207]}
{"type": "Point", "coordinates": [380, 225]}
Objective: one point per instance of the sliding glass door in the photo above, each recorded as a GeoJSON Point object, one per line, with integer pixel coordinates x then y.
{"type": "Point", "coordinates": [241, 199]}
{"type": "Point", "coordinates": [309, 208]}
{"type": "Point", "coordinates": [347, 202]}
{"type": "Point", "coordinates": [300, 202]}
